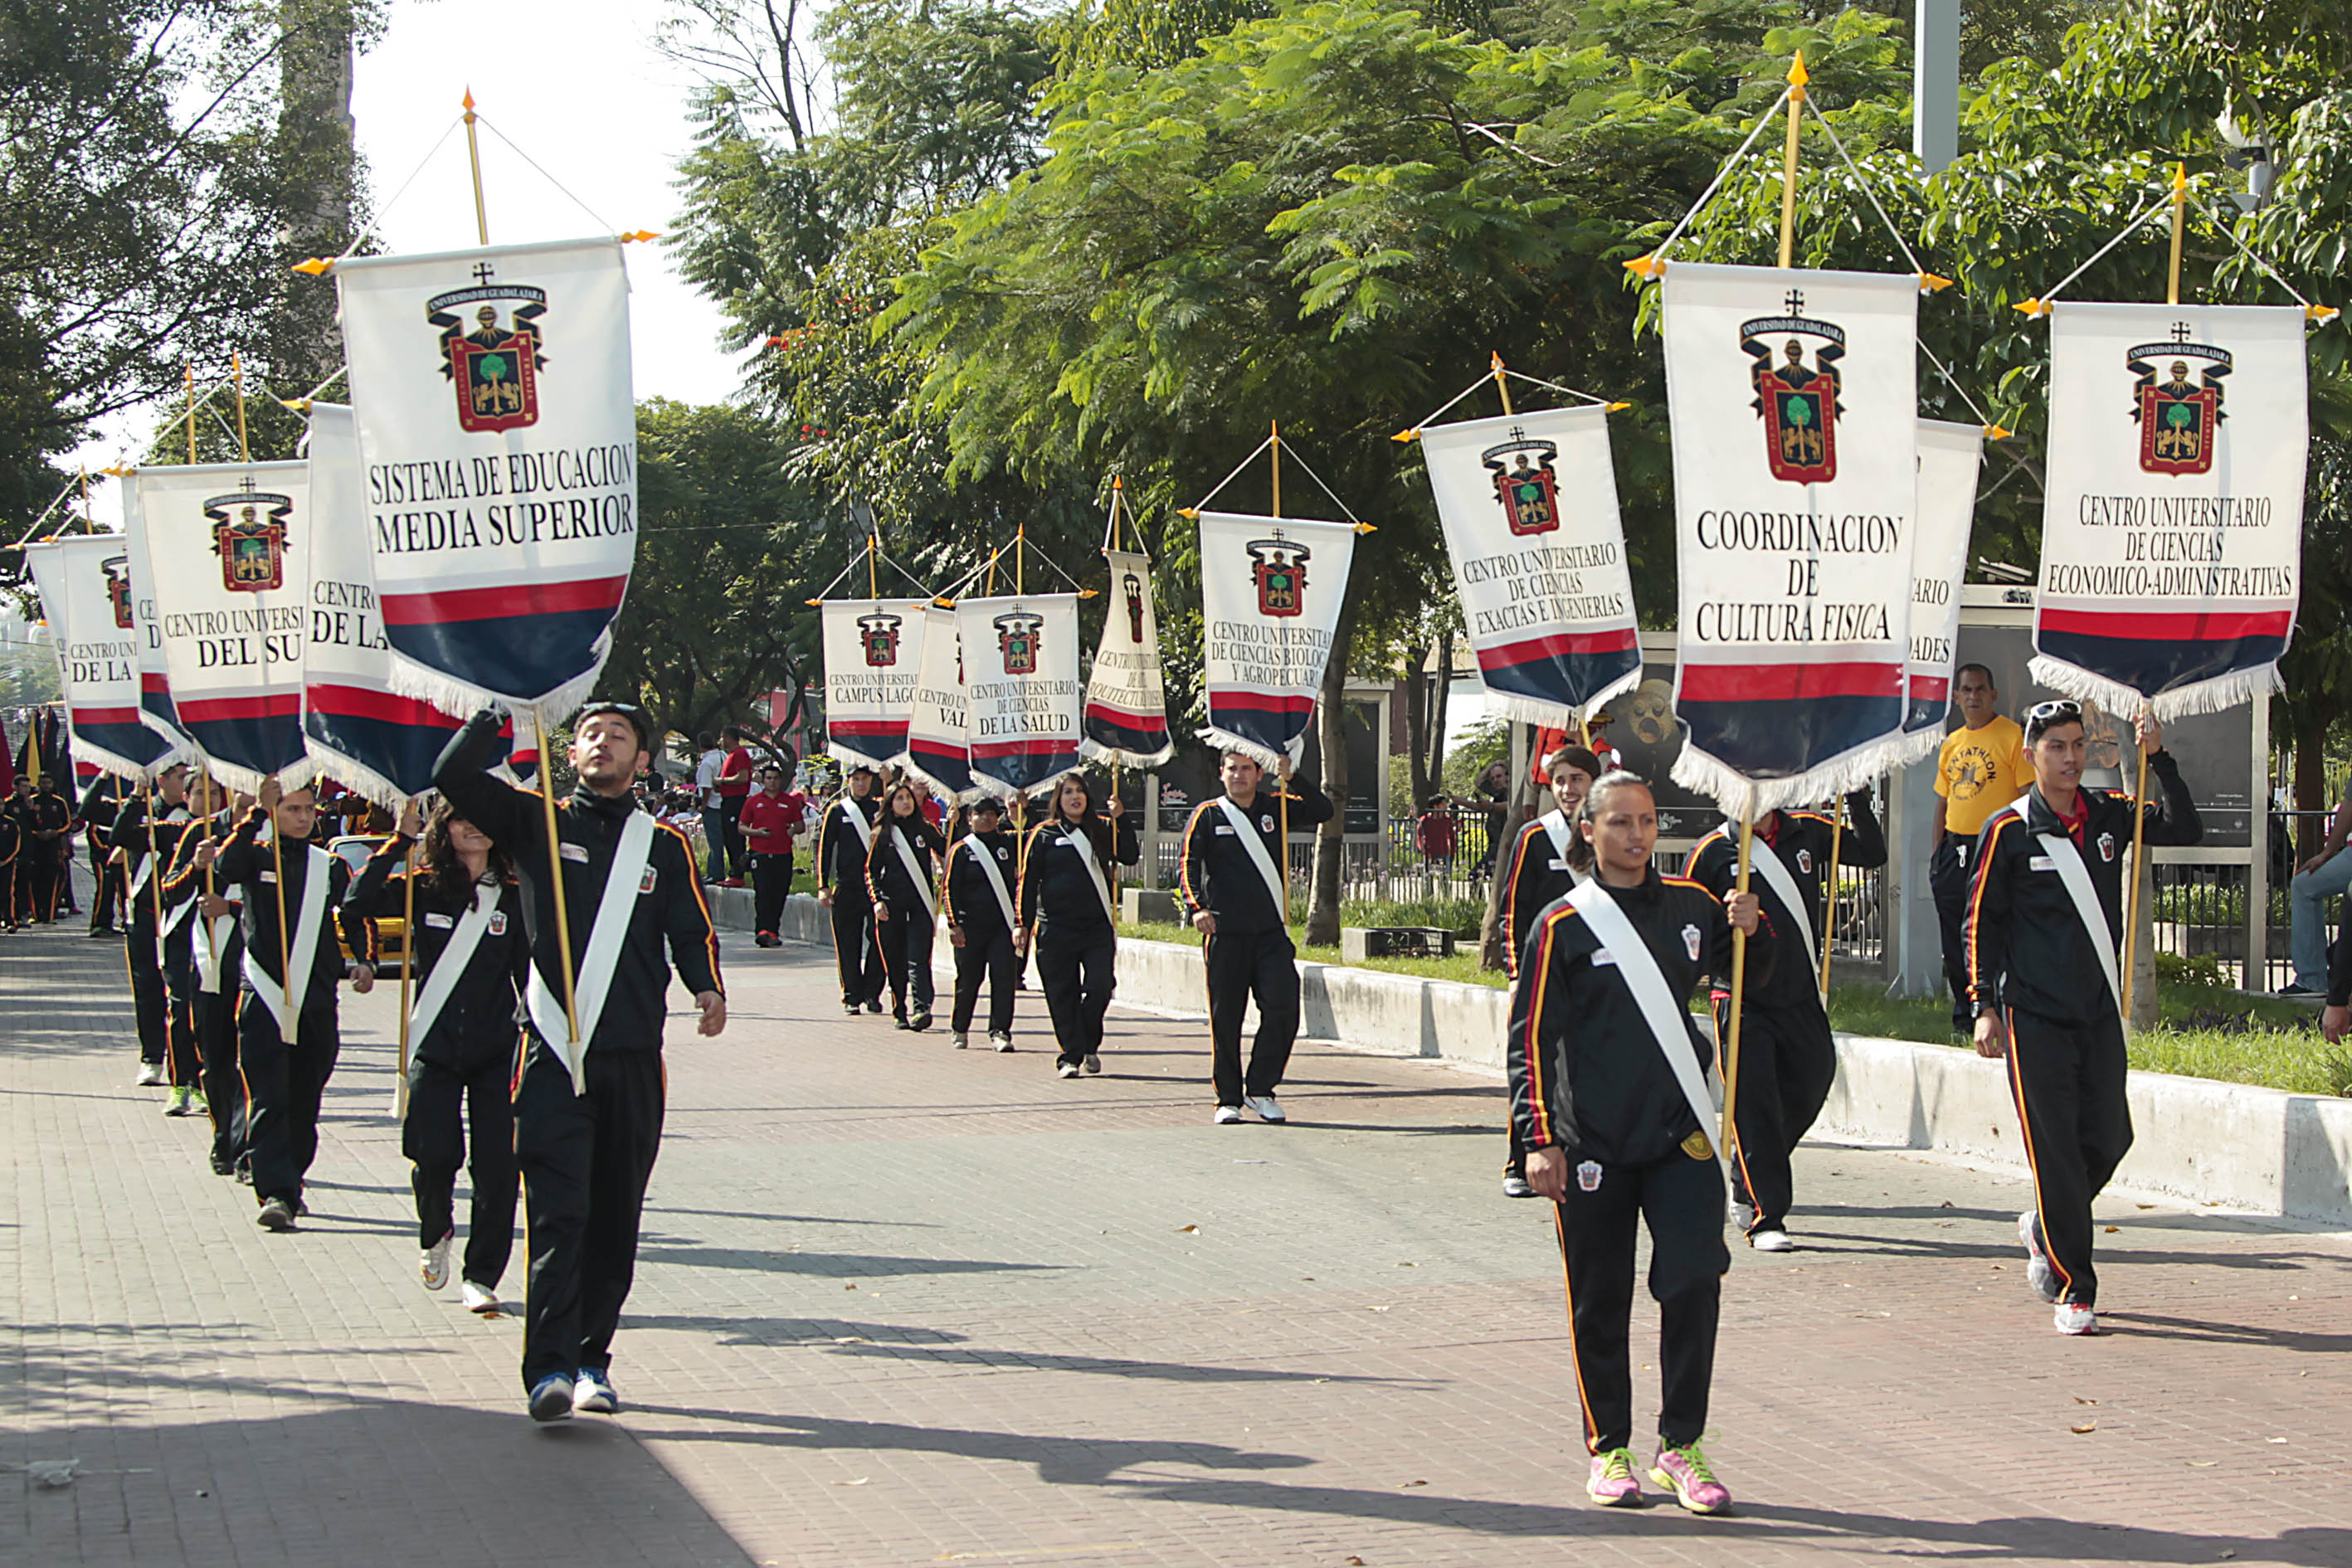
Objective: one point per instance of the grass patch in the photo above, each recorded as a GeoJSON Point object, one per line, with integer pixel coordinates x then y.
{"type": "Point", "coordinates": [1462, 967]}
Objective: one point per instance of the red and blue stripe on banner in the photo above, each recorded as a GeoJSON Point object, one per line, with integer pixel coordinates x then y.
{"type": "Point", "coordinates": [2155, 651]}
{"type": "Point", "coordinates": [1778, 721]}
{"type": "Point", "coordinates": [524, 638]}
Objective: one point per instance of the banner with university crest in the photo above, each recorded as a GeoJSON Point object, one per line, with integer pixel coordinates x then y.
{"type": "Point", "coordinates": [1530, 506]}
{"type": "Point", "coordinates": [1270, 595]}
{"type": "Point", "coordinates": [1126, 718]}
{"type": "Point", "coordinates": [155, 709]}
{"type": "Point", "coordinates": [498, 428]}
{"type": "Point", "coordinates": [1949, 457]}
{"type": "Point", "coordinates": [86, 596]}
{"type": "Point", "coordinates": [873, 653]}
{"type": "Point", "coordinates": [2172, 527]}
{"type": "Point", "coordinates": [937, 751]}
{"type": "Point", "coordinates": [230, 544]}
{"type": "Point", "coordinates": [1793, 399]}
{"type": "Point", "coordinates": [361, 733]}
{"type": "Point", "coordinates": [1022, 693]}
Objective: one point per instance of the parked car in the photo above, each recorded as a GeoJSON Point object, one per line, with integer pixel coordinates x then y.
{"type": "Point", "coordinates": [391, 931]}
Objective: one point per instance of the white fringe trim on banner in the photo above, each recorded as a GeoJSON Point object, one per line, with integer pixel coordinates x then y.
{"type": "Point", "coordinates": [959, 796]}
{"type": "Point", "coordinates": [1743, 799]}
{"type": "Point", "coordinates": [1118, 757]}
{"type": "Point", "coordinates": [2126, 702]}
{"type": "Point", "coordinates": [1266, 757]}
{"type": "Point", "coordinates": [239, 780]}
{"type": "Point", "coordinates": [357, 777]}
{"type": "Point", "coordinates": [1001, 789]}
{"type": "Point", "coordinates": [851, 758]}
{"type": "Point", "coordinates": [462, 700]}
{"type": "Point", "coordinates": [1554, 715]}
{"type": "Point", "coordinates": [1917, 746]}
{"type": "Point", "coordinates": [114, 763]}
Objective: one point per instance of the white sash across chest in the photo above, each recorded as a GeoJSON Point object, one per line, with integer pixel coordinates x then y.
{"type": "Point", "coordinates": [302, 952]}
{"type": "Point", "coordinates": [1075, 836]}
{"type": "Point", "coordinates": [1638, 967]}
{"type": "Point", "coordinates": [1248, 833]}
{"type": "Point", "coordinates": [986, 857]}
{"type": "Point", "coordinates": [450, 967]}
{"type": "Point", "coordinates": [592, 982]}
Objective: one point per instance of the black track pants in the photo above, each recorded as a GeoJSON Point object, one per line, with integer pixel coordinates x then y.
{"type": "Point", "coordinates": [2068, 1082]}
{"type": "Point", "coordinates": [1681, 1199]}
{"type": "Point", "coordinates": [1787, 1061]}
{"type": "Point", "coordinates": [985, 956]}
{"type": "Point", "coordinates": [771, 884]}
{"type": "Point", "coordinates": [1261, 964]}
{"type": "Point", "coordinates": [586, 1161]}
{"type": "Point", "coordinates": [148, 1002]}
{"type": "Point", "coordinates": [442, 1102]}
{"type": "Point", "coordinates": [223, 1079]}
{"type": "Point", "coordinates": [284, 1086]}
{"type": "Point", "coordinates": [1077, 970]}
{"type": "Point", "coordinates": [1947, 880]}
{"type": "Point", "coordinates": [906, 942]}
{"type": "Point", "coordinates": [853, 952]}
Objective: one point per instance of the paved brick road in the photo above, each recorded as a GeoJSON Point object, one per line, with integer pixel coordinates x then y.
{"type": "Point", "coordinates": [899, 1304]}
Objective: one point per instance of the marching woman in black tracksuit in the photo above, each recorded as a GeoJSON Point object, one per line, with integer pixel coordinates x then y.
{"type": "Point", "coordinates": [203, 954]}
{"type": "Point", "coordinates": [1066, 910]}
{"type": "Point", "coordinates": [983, 869]}
{"type": "Point", "coordinates": [143, 832]}
{"type": "Point", "coordinates": [842, 838]}
{"type": "Point", "coordinates": [463, 1032]}
{"type": "Point", "coordinates": [2042, 977]}
{"type": "Point", "coordinates": [1787, 1059]}
{"type": "Point", "coordinates": [902, 878]}
{"type": "Point", "coordinates": [1549, 857]}
{"type": "Point", "coordinates": [1592, 1087]}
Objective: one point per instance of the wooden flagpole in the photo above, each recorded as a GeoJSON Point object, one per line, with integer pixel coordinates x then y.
{"type": "Point", "coordinates": [188, 377]}
{"type": "Point", "coordinates": [2139, 795]}
{"type": "Point", "coordinates": [407, 946]}
{"type": "Point", "coordinates": [1797, 79]}
{"type": "Point", "coordinates": [1829, 914]}
{"type": "Point", "coordinates": [1281, 785]}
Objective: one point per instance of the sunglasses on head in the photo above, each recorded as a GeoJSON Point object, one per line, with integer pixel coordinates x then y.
{"type": "Point", "coordinates": [2057, 708]}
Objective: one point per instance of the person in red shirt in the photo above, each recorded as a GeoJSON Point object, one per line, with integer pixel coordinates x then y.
{"type": "Point", "coordinates": [734, 789]}
{"type": "Point", "coordinates": [769, 820]}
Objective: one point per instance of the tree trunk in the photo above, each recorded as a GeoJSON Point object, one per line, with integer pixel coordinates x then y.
{"type": "Point", "coordinates": [317, 169]}
{"type": "Point", "coordinates": [1492, 938]}
{"type": "Point", "coordinates": [1330, 842]}
{"type": "Point", "coordinates": [1416, 723]}
{"type": "Point", "coordinates": [2311, 716]}
{"type": "Point", "coordinates": [1439, 695]}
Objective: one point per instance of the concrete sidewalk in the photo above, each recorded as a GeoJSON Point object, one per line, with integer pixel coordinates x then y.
{"type": "Point", "coordinates": [900, 1304]}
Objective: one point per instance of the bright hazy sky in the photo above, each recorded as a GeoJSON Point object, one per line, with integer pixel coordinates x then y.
{"type": "Point", "coordinates": [577, 85]}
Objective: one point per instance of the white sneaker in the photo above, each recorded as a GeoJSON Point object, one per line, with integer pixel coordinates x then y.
{"type": "Point", "coordinates": [1772, 1238]}
{"type": "Point", "coordinates": [2038, 1272]}
{"type": "Point", "coordinates": [961, 1040]}
{"type": "Point", "coordinates": [433, 1266]}
{"type": "Point", "coordinates": [1004, 1043]}
{"type": "Point", "coordinates": [1742, 1216]}
{"type": "Point", "coordinates": [1267, 1106]}
{"type": "Point", "coordinates": [1069, 1070]}
{"type": "Point", "coordinates": [1516, 1187]}
{"type": "Point", "coordinates": [478, 1298]}
{"type": "Point", "coordinates": [1094, 1062]}
{"type": "Point", "coordinates": [1228, 1115]}
{"type": "Point", "coordinates": [2073, 1317]}
{"type": "Point", "coordinates": [150, 1074]}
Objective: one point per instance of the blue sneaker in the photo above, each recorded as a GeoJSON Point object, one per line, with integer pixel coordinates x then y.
{"type": "Point", "coordinates": [594, 1393]}
{"type": "Point", "coordinates": [550, 1398]}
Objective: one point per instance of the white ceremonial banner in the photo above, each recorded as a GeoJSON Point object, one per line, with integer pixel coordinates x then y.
{"type": "Point", "coordinates": [936, 750]}
{"type": "Point", "coordinates": [498, 425]}
{"type": "Point", "coordinates": [1949, 458]}
{"type": "Point", "coordinates": [230, 544]}
{"type": "Point", "coordinates": [1270, 595]}
{"type": "Point", "coordinates": [2172, 520]}
{"type": "Point", "coordinates": [1127, 698]}
{"type": "Point", "coordinates": [873, 653]}
{"type": "Point", "coordinates": [360, 732]}
{"type": "Point", "coordinates": [1022, 693]}
{"type": "Point", "coordinates": [155, 709]}
{"type": "Point", "coordinates": [1530, 506]}
{"type": "Point", "coordinates": [85, 586]}
{"type": "Point", "coordinates": [1793, 399]}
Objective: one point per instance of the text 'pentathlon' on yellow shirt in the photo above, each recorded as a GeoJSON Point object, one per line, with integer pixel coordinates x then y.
{"type": "Point", "coordinates": [1980, 771]}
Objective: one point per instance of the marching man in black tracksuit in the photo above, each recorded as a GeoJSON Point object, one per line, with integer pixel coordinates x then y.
{"type": "Point", "coordinates": [463, 1032]}
{"type": "Point", "coordinates": [139, 842]}
{"type": "Point", "coordinates": [2045, 913]}
{"type": "Point", "coordinates": [1608, 1072]}
{"type": "Point", "coordinates": [586, 1132]}
{"type": "Point", "coordinates": [1787, 1059]}
{"type": "Point", "coordinates": [977, 899]}
{"type": "Point", "coordinates": [843, 839]}
{"type": "Point", "coordinates": [1231, 878]}
{"type": "Point", "coordinates": [1547, 860]}
{"type": "Point", "coordinates": [203, 955]}
{"type": "Point", "coordinates": [287, 1043]}
{"type": "Point", "coordinates": [1065, 912]}
{"type": "Point", "coordinates": [102, 808]}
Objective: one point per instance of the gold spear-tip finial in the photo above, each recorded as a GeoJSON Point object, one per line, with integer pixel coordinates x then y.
{"type": "Point", "coordinates": [1616, 407]}
{"type": "Point", "coordinates": [299, 404]}
{"type": "Point", "coordinates": [637, 235]}
{"type": "Point", "coordinates": [1645, 266]}
{"type": "Point", "coordinates": [1998, 432]}
{"type": "Point", "coordinates": [2180, 179]}
{"type": "Point", "coordinates": [316, 267]}
{"type": "Point", "coordinates": [1496, 362]}
{"type": "Point", "coordinates": [469, 100]}
{"type": "Point", "coordinates": [1798, 76]}
{"type": "Point", "coordinates": [1406, 435]}
{"type": "Point", "coordinates": [2032, 307]}
{"type": "Point", "coordinates": [2323, 314]}
{"type": "Point", "coordinates": [1930, 283]}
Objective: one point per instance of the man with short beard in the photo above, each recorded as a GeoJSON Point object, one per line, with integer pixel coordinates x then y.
{"type": "Point", "coordinates": [586, 1141]}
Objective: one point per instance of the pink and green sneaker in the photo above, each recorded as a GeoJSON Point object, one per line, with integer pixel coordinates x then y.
{"type": "Point", "coordinates": [1684, 1471]}
{"type": "Point", "coordinates": [1614, 1483]}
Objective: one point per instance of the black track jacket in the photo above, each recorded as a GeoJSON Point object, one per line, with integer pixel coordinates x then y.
{"type": "Point", "coordinates": [1803, 840]}
{"type": "Point", "coordinates": [1216, 871]}
{"type": "Point", "coordinates": [477, 1024]}
{"type": "Point", "coordinates": [1054, 886]}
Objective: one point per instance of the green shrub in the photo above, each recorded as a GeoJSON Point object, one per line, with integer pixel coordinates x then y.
{"type": "Point", "coordinates": [2202, 969]}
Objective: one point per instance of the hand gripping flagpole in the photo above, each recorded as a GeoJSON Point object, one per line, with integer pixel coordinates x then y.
{"type": "Point", "coordinates": [2139, 795]}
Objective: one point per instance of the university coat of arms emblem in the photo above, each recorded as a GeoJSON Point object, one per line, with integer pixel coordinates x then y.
{"type": "Point", "coordinates": [1525, 484]}
{"type": "Point", "coordinates": [493, 368]}
{"type": "Point", "coordinates": [1798, 403]}
{"type": "Point", "coordinates": [879, 631]}
{"type": "Point", "coordinates": [1280, 568]}
{"type": "Point", "coordinates": [2179, 419]}
{"type": "Point", "coordinates": [249, 537]}
{"type": "Point", "coordinates": [118, 589]}
{"type": "Point", "coordinates": [1017, 633]}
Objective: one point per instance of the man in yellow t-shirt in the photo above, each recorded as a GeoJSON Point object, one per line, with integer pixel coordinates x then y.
{"type": "Point", "coordinates": [1981, 768]}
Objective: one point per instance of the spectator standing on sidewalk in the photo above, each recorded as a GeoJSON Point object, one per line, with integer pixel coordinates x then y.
{"type": "Point", "coordinates": [707, 765]}
{"type": "Point", "coordinates": [771, 818]}
{"type": "Point", "coordinates": [2324, 874]}
{"type": "Point", "coordinates": [1981, 768]}
{"type": "Point", "coordinates": [734, 787]}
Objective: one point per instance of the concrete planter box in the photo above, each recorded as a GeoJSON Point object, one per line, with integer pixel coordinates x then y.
{"type": "Point", "coordinates": [2249, 1148]}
